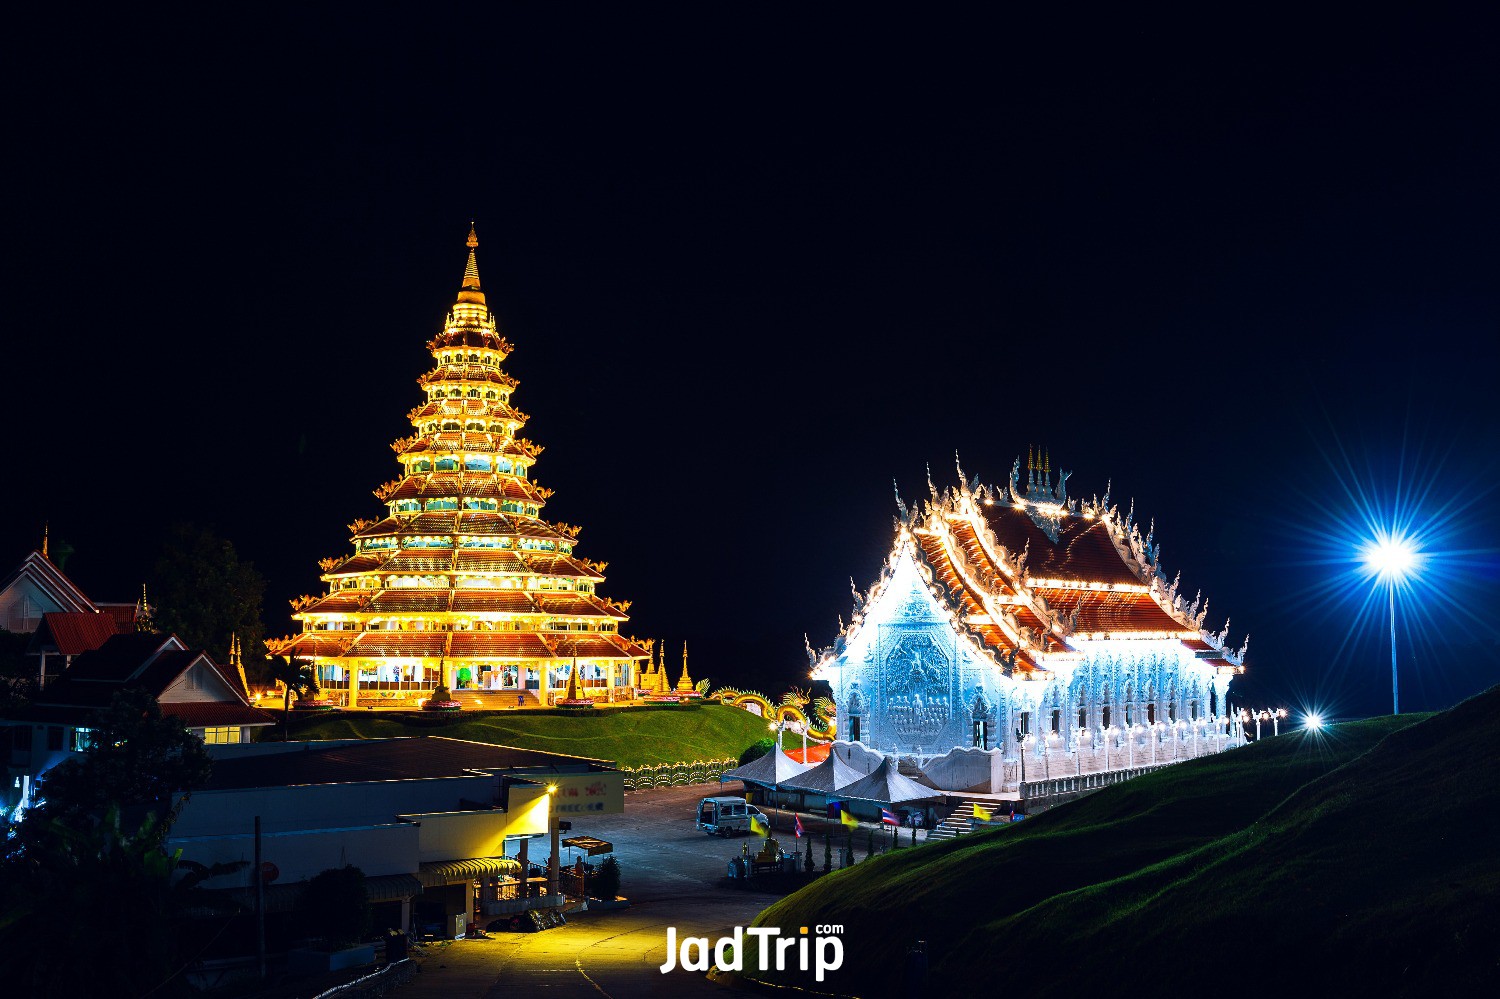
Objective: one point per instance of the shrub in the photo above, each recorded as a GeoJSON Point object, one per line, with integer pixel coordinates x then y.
{"type": "Point", "coordinates": [336, 906]}
{"type": "Point", "coordinates": [606, 881]}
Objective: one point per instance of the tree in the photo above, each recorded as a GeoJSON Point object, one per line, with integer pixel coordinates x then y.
{"type": "Point", "coordinates": [135, 760]}
{"type": "Point", "coordinates": [335, 905]}
{"type": "Point", "coordinates": [827, 852]}
{"type": "Point", "coordinates": [870, 844]}
{"type": "Point", "coordinates": [809, 866]}
{"type": "Point", "coordinates": [757, 749]}
{"type": "Point", "coordinates": [94, 843]}
{"type": "Point", "coordinates": [296, 678]}
{"type": "Point", "coordinates": [204, 594]}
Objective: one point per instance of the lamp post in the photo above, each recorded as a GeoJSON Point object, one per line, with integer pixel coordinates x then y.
{"type": "Point", "coordinates": [1391, 558]}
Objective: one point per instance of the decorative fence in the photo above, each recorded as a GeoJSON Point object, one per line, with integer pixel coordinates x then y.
{"type": "Point", "coordinates": [676, 774]}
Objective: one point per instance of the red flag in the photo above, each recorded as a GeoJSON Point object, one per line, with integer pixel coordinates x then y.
{"type": "Point", "coordinates": [798, 820]}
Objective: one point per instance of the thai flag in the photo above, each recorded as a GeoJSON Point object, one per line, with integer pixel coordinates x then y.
{"type": "Point", "coordinates": [797, 819]}
{"type": "Point", "coordinates": [889, 819]}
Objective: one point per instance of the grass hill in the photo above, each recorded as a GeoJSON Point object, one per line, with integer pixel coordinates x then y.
{"type": "Point", "coordinates": [1363, 857]}
{"type": "Point", "coordinates": [631, 737]}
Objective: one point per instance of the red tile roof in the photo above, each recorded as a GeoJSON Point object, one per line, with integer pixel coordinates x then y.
{"type": "Point", "coordinates": [1111, 611]}
{"type": "Point", "coordinates": [575, 605]}
{"type": "Point", "coordinates": [508, 645]}
{"type": "Point", "coordinates": [399, 643]}
{"type": "Point", "coordinates": [217, 714]}
{"type": "Point", "coordinates": [586, 647]}
{"type": "Point", "coordinates": [475, 601]}
{"type": "Point", "coordinates": [489, 560]}
{"type": "Point", "coordinates": [1083, 551]}
{"type": "Point", "coordinates": [408, 601]}
{"type": "Point", "coordinates": [70, 633]}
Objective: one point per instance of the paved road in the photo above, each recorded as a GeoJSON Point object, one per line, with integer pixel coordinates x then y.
{"type": "Point", "coordinates": [669, 871]}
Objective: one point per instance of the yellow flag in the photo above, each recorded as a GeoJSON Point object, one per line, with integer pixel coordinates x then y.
{"type": "Point", "coordinates": [845, 819]}
{"type": "Point", "coordinates": [983, 814]}
{"type": "Point", "coordinates": [758, 827]}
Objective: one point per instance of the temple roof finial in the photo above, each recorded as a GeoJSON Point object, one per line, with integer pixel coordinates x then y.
{"type": "Point", "coordinates": [46, 527]}
{"type": "Point", "coordinates": [469, 291]}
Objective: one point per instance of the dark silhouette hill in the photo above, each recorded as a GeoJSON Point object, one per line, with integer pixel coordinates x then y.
{"type": "Point", "coordinates": [1363, 856]}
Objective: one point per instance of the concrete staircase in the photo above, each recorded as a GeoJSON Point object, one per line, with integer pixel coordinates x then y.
{"type": "Point", "coordinates": [959, 821]}
{"type": "Point", "coordinates": [491, 700]}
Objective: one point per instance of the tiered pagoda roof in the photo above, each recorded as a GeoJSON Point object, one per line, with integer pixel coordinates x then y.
{"type": "Point", "coordinates": [1026, 574]}
{"type": "Point", "coordinates": [462, 567]}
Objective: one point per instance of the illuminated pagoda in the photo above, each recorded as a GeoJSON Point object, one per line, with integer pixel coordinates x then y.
{"type": "Point", "coordinates": [1017, 616]}
{"type": "Point", "coordinates": [463, 582]}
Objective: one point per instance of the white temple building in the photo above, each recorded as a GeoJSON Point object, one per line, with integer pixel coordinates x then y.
{"type": "Point", "coordinates": [1016, 634]}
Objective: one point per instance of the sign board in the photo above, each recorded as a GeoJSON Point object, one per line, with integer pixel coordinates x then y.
{"type": "Point", "coordinates": [269, 872]}
{"type": "Point", "coordinates": [582, 795]}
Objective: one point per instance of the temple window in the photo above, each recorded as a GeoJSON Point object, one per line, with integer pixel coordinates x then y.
{"type": "Point", "coordinates": [448, 464]}
{"type": "Point", "coordinates": [442, 503]}
{"type": "Point", "coordinates": [454, 393]}
{"type": "Point", "coordinates": [521, 471]}
{"type": "Point", "coordinates": [473, 503]}
{"type": "Point", "coordinates": [489, 395]}
{"type": "Point", "coordinates": [1083, 717]}
{"type": "Point", "coordinates": [1056, 721]}
{"type": "Point", "coordinates": [1025, 723]}
{"type": "Point", "coordinates": [1151, 714]}
{"type": "Point", "coordinates": [531, 511]}
{"type": "Point", "coordinates": [477, 463]}
{"type": "Point", "coordinates": [502, 464]}
{"type": "Point", "coordinates": [1104, 716]}
{"type": "Point", "coordinates": [473, 393]}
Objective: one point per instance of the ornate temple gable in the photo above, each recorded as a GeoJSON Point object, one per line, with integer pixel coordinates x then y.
{"type": "Point", "coordinates": [1077, 572]}
{"type": "Point", "coordinates": [909, 590]}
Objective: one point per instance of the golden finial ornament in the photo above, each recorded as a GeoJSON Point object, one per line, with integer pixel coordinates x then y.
{"type": "Point", "coordinates": [46, 526]}
{"type": "Point", "coordinates": [469, 292]}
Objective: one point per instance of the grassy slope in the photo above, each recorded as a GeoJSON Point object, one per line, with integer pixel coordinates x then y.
{"type": "Point", "coordinates": [628, 737]}
{"type": "Point", "coordinates": [1172, 873]}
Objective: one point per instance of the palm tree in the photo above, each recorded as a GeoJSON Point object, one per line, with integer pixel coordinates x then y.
{"type": "Point", "coordinates": [295, 677]}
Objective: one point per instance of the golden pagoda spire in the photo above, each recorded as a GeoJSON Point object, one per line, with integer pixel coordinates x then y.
{"type": "Point", "coordinates": [46, 526]}
{"type": "Point", "coordinates": [684, 682]}
{"type": "Point", "coordinates": [469, 291]}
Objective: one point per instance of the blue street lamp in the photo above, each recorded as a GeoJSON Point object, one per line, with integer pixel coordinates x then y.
{"type": "Point", "coordinates": [1392, 558]}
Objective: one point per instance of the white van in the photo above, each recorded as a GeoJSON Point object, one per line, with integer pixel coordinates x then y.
{"type": "Point", "coordinates": [724, 816]}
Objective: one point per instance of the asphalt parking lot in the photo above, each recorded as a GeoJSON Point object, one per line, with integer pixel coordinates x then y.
{"type": "Point", "coordinates": [670, 872]}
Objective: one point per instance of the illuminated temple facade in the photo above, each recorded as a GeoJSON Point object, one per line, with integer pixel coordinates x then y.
{"type": "Point", "coordinates": [1016, 616]}
{"type": "Point", "coordinates": [463, 581]}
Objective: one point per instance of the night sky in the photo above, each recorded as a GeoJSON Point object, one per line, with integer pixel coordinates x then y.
{"type": "Point", "coordinates": [756, 270]}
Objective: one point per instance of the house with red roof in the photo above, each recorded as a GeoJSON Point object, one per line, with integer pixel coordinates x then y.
{"type": "Point", "coordinates": [209, 699]}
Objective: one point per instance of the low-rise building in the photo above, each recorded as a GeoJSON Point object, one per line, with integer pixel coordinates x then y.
{"type": "Point", "coordinates": [442, 828]}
